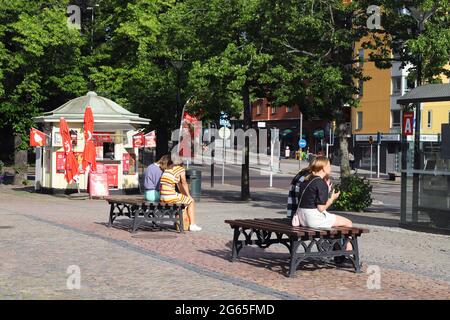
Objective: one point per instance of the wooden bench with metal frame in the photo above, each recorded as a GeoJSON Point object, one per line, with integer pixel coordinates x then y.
{"type": "Point", "coordinates": [141, 211]}
{"type": "Point", "coordinates": [329, 243]}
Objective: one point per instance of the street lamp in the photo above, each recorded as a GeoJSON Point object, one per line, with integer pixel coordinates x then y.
{"type": "Point", "coordinates": [421, 17]}
{"type": "Point", "coordinates": [92, 24]}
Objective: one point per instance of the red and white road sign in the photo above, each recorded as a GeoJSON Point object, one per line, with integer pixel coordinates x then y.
{"type": "Point", "coordinates": [407, 124]}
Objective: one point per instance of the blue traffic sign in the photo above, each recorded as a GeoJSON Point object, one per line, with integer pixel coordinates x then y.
{"type": "Point", "coordinates": [302, 143]}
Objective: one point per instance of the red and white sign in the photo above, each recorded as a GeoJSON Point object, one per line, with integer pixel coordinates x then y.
{"type": "Point", "coordinates": [150, 139]}
{"type": "Point", "coordinates": [112, 172]}
{"type": "Point", "coordinates": [98, 185]}
{"type": "Point", "coordinates": [138, 140]}
{"type": "Point", "coordinates": [60, 161]}
{"type": "Point", "coordinates": [407, 124]}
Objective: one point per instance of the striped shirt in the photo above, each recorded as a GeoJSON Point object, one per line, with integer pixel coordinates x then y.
{"type": "Point", "coordinates": [169, 179]}
{"type": "Point", "coordinates": [294, 193]}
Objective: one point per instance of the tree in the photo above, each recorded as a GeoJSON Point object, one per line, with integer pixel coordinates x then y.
{"type": "Point", "coordinates": [40, 61]}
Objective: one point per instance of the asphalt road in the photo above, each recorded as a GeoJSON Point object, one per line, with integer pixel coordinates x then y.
{"type": "Point", "coordinates": [386, 194]}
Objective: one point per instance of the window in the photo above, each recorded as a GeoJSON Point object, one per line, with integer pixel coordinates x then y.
{"type": "Point", "coordinates": [359, 120]}
{"type": "Point", "coordinates": [361, 88]}
{"type": "Point", "coordinates": [274, 110]}
{"type": "Point", "coordinates": [288, 109]}
{"type": "Point", "coordinates": [429, 118]}
{"type": "Point", "coordinates": [258, 108]}
{"type": "Point", "coordinates": [410, 84]}
{"type": "Point", "coordinates": [395, 118]}
{"type": "Point", "coordinates": [361, 57]}
{"type": "Point", "coordinates": [396, 85]}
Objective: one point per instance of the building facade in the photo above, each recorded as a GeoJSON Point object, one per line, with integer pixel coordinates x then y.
{"type": "Point", "coordinates": [287, 120]}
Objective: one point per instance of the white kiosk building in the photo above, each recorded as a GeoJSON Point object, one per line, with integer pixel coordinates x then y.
{"type": "Point", "coordinates": [114, 128]}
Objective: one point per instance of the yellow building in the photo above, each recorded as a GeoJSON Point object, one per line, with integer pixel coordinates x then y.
{"type": "Point", "coordinates": [380, 112]}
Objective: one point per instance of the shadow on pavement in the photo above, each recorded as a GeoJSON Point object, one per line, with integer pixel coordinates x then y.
{"type": "Point", "coordinates": [276, 262]}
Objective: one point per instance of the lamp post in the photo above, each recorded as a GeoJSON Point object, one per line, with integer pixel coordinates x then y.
{"type": "Point", "coordinates": [421, 17]}
{"type": "Point", "coordinates": [92, 24]}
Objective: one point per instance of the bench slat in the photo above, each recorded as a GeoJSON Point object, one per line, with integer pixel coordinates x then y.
{"type": "Point", "coordinates": [354, 229]}
{"type": "Point", "coordinates": [254, 225]}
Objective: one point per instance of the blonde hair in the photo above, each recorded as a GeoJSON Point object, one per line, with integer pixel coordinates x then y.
{"type": "Point", "coordinates": [165, 162]}
{"type": "Point", "coordinates": [317, 165]}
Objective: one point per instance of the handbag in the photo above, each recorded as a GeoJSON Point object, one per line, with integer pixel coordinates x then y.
{"type": "Point", "coordinates": [296, 218]}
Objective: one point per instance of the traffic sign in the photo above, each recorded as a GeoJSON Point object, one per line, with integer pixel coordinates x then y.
{"type": "Point", "coordinates": [407, 124]}
{"type": "Point", "coordinates": [370, 140]}
{"type": "Point", "coordinates": [379, 137]}
{"type": "Point", "coordinates": [224, 133]}
{"type": "Point", "coordinates": [302, 143]}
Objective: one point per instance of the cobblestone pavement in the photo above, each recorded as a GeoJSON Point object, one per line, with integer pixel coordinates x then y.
{"type": "Point", "coordinates": [42, 235]}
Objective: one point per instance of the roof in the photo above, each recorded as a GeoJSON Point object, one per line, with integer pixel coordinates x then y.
{"type": "Point", "coordinates": [427, 93]}
{"type": "Point", "coordinates": [104, 110]}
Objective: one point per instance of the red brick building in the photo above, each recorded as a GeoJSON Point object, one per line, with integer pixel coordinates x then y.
{"type": "Point", "coordinates": [287, 120]}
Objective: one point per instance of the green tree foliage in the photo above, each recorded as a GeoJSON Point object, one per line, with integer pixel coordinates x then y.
{"type": "Point", "coordinates": [40, 64]}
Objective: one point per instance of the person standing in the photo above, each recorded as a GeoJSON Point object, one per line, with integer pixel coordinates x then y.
{"type": "Point", "coordinates": [152, 177]}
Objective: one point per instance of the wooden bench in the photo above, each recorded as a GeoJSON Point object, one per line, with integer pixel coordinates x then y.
{"type": "Point", "coordinates": [141, 211]}
{"type": "Point", "coordinates": [329, 243]}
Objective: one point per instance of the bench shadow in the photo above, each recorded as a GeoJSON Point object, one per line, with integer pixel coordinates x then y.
{"type": "Point", "coordinates": [277, 262]}
{"type": "Point", "coordinates": [126, 224]}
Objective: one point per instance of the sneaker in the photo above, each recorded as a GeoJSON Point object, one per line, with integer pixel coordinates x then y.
{"type": "Point", "coordinates": [194, 227]}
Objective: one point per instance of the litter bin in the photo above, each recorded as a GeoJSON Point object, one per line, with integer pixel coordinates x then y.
{"type": "Point", "coordinates": [194, 180]}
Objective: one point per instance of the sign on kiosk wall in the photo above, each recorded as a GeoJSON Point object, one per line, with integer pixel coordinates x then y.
{"type": "Point", "coordinates": [98, 185]}
{"type": "Point", "coordinates": [138, 140]}
{"type": "Point", "coordinates": [407, 125]}
{"type": "Point", "coordinates": [150, 139]}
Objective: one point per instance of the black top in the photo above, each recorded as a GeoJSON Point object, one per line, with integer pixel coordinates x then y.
{"type": "Point", "coordinates": [316, 194]}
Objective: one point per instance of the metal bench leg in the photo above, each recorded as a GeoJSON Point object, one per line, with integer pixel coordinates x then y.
{"type": "Point", "coordinates": [136, 221]}
{"type": "Point", "coordinates": [181, 221]}
{"type": "Point", "coordinates": [355, 259]}
{"type": "Point", "coordinates": [111, 216]}
{"type": "Point", "coordinates": [237, 245]}
{"type": "Point", "coordinates": [295, 261]}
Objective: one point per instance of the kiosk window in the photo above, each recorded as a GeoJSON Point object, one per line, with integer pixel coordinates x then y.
{"type": "Point", "coordinates": [108, 150]}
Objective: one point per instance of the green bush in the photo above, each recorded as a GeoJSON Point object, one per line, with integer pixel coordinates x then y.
{"type": "Point", "coordinates": [355, 194]}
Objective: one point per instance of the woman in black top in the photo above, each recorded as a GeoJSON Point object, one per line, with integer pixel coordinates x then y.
{"type": "Point", "coordinates": [314, 200]}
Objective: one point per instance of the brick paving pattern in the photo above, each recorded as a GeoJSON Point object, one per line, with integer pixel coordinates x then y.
{"type": "Point", "coordinates": [43, 235]}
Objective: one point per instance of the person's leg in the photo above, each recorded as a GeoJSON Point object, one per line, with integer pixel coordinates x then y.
{"type": "Point", "coordinates": [343, 222]}
{"type": "Point", "coordinates": [191, 212]}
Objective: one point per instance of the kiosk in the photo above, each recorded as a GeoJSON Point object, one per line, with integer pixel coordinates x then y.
{"type": "Point", "coordinates": [114, 128]}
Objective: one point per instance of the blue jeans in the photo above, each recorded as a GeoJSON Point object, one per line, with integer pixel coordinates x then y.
{"type": "Point", "coordinates": [152, 195]}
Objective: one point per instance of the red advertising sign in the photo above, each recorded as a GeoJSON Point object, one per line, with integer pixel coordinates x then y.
{"type": "Point", "coordinates": [60, 161]}
{"type": "Point", "coordinates": [126, 163]}
{"type": "Point", "coordinates": [150, 139]}
{"type": "Point", "coordinates": [112, 172]}
{"type": "Point", "coordinates": [98, 185]}
{"type": "Point", "coordinates": [407, 124]}
{"type": "Point", "coordinates": [100, 168]}
{"type": "Point", "coordinates": [100, 137]}
{"type": "Point", "coordinates": [138, 140]}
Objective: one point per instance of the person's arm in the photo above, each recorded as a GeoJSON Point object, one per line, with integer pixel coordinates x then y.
{"type": "Point", "coordinates": [183, 185]}
{"type": "Point", "coordinates": [329, 202]}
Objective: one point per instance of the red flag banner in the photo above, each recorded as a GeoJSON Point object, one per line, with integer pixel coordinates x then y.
{"type": "Point", "coordinates": [71, 164]}
{"type": "Point", "coordinates": [89, 153]}
{"type": "Point", "coordinates": [37, 138]}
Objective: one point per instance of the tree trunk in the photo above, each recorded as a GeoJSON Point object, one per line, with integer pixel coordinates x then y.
{"type": "Point", "coordinates": [20, 162]}
{"type": "Point", "coordinates": [162, 142]}
{"type": "Point", "coordinates": [245, 177]}
{"type": "Point", "coordinates": [343, 149]}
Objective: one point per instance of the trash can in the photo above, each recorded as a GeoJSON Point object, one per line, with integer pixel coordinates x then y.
{"type": "Point", "coordinates": [194, 180]}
